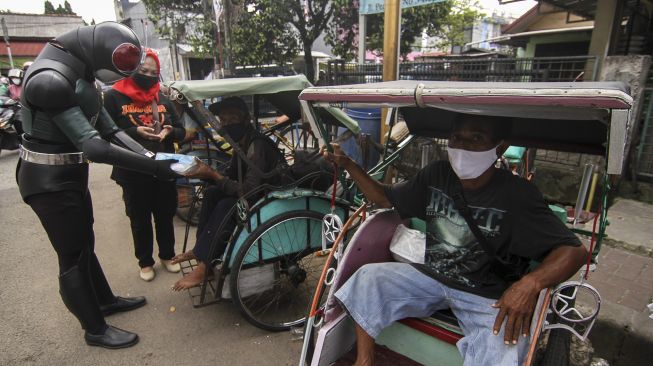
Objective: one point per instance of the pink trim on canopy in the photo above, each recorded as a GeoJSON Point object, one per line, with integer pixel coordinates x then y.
{"type": "Point", "coordinates": [593, 102]}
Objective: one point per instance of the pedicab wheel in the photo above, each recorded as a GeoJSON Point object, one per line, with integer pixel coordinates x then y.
{"type": "Point", "coordinates": [277, 269]}
{"type": "Point", "coordinates": [558, 345]}
{"type": "Point", "coordinates": [557, 349]}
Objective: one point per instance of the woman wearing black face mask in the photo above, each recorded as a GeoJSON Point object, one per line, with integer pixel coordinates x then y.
{"type": "Point", "coordinates": [138, 107]}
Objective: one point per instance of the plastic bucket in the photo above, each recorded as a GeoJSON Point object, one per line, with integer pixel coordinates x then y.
{"type": "Point", "coordinates": [369, 121]}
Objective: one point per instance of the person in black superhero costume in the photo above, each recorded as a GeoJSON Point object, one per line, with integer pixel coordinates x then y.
{"type": "Point", "coordinates": [65, 127]}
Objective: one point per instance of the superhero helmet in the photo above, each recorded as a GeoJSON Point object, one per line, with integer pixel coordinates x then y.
{"type": "Point", "coordinates": [111, 50]}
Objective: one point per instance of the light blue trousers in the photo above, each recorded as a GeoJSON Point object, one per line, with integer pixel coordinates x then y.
{"type": "Point", "coordinates": [379, 294]}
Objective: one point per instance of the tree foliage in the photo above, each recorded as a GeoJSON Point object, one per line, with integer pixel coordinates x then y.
{"type": "Point", "coordinates": [187, 21]}
{"type": "Point", "coordinates": [49, 8]}
{"type": "Point", "coordinates": [262, 36]}
{"type": "Point", "coordinates": [66, 9]}
{"type": "Point", "coordinates": [273, 31]}
{"type": "Point", "coordinates": [292, 24]}
{"type": "Point", "coordinates": [440, 20]}
{"type": "Point", "coordinates": [462, 14]}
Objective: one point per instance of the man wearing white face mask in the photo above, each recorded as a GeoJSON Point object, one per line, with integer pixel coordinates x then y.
{"type": "Point", "coordinates": [485, 282]}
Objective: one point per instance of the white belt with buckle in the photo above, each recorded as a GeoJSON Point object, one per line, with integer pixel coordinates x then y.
{"type": "Point", "coordinates": [52, 159]}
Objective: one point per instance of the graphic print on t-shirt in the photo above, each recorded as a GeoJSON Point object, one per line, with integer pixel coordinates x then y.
{"type": "Point", "coordinates": [451, 248]}
{"type": "Point", "coordinates": [142, 116]}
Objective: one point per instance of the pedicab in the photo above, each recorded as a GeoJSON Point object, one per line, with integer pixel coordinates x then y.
{"type": "Point", "coordinates": [271, 263]}
{"type": "Point", "coordinates": [590, 118]}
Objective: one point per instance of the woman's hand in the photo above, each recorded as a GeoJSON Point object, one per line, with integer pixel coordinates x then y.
{"type": "Point", "coordinates": [165, 131]}
{"type": "Point", "coordinates": [147, 133]}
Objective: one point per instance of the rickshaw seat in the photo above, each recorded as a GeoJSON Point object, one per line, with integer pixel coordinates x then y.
{"type": "Point", "coordinates": [376, 233]}
{"type": "Point", "coordinates": [370, 244]}
{"type": "Point", "coordinates": [514, 152]}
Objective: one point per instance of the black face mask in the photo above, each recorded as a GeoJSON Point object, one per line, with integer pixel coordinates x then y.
{"type": "Point", "coordinates": [145, 82]}
{"type": "Point", "coordinates": [236, 131]}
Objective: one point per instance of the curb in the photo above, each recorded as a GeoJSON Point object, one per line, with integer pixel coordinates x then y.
{"type": "Point", "coordinates": [633, 248]}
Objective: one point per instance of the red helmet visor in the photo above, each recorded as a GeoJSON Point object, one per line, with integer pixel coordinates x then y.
{"type": "Point", "coordinates": [126, 58]}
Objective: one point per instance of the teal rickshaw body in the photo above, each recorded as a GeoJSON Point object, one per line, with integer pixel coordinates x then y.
{"type": "Point", "coordinates": [248, 249]}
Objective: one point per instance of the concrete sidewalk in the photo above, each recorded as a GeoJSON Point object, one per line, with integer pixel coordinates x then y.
{"type": "Point", "coordinates": [624, 277]}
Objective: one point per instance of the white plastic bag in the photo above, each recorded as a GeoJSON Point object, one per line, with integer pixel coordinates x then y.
{"type": "Point", "coordinates": [185, 165]}
{"type": "Point", "coordinates": [408, 245]}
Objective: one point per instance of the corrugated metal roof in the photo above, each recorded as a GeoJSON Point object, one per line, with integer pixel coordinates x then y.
{"type": "Point", "coordinates": [506, 38]}
{"type": "Point", "coordinates": [39, 25]}
{"type": "Point", "coordinates": [583, 8]}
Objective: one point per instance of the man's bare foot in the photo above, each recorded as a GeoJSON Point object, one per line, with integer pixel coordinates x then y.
{"type": "Point", "coordinates": [192, 279]}
{"type": "Point", "coordinates": [183, 257]}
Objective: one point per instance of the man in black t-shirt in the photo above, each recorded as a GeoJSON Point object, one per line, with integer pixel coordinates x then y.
{"type": "Point", "coordinates": [458, 273]}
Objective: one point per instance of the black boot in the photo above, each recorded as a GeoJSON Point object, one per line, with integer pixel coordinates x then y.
{"type": "Point", "coordinates": [122, 304]}
{"type": "Point", "coordinates": [79, 297]}
{"type": "Point", "coordinates": [99, 282]}
{"type": "Point", "coordinates": [109, 303]}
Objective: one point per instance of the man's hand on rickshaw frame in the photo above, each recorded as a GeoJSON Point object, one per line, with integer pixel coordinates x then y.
{"type": "Point", "coordinates": [516, 307]}
{"type": "Point", "coordinates": [337, 157]}
{"type": "Point", "coordinates": [517, 304]}
{"type": "Point", "coordinates": [372, 189]}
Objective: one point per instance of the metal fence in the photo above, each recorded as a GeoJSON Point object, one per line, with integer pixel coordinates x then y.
{"type": "Point", "coordinates": [487, 69]}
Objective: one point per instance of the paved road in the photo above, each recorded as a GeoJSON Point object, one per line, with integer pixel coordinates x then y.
{"type": "Point", "coordinates": [36, 329]}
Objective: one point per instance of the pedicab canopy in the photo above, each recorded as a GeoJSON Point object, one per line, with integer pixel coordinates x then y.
{"type": "Point", "coordinates": [282, 92]}
{"type": "Point", "coordinates": [584, 117]}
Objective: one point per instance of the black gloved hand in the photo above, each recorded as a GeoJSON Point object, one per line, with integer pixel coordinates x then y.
{"type": "Point", "coordinates": [163, 170]}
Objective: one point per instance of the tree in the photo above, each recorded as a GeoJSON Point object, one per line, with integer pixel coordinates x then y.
{"type": "Point", "coordinates": [463, 14]}
{"type": "Point", "coordinates": [68, 9]}
{"type": "Point", "coordinates": [308, 18]}
{"type": "Point", "coordinates": [49, 8]}
{"type": "Point", "coordinates": [342, 35]}
{"type": "Point", "coordinates": [261, 36]}
{"type": "Point", "coordinates": [188, 21]}
{"type": "Point", "coordinates": [435, 19]}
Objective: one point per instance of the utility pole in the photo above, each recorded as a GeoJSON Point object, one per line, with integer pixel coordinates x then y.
{"type": "Point", "coordinates": [228, 11]}
{"type": "Point", "coordinates": [5, 34]}
{"type": "Point", "coordinates": [391, 24]}
{"type": "Point", "coordinates": [218, 10]}
{"type": "Point", "coordinates": [362, 30]}
{"type": "Point", "coordinates": [174, 55]}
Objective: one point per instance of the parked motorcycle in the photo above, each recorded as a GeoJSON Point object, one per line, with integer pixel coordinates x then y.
{"type": "Point", "coordinates": [10, 124]}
